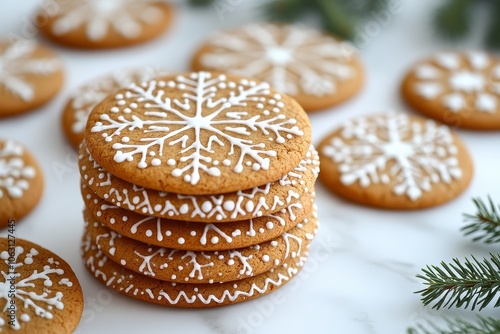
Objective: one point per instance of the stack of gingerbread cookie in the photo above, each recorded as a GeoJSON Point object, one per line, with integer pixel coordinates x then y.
{"type": "Point", "coordinates": [199, 190]}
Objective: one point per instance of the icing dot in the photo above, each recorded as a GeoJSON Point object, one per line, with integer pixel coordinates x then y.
{"type": "Point", "coordinates": [226, 162]}
{"type": "Point", "coordinates": [136, 200]}
{"type": "Point", "coordinates": [184, 209]}
{"type": "Point", "coordinates": [24, 317]}
{"type": "Point", "coordinates": [125, 218]}
{"type": "Point", "coordinates": [221, 257]}
{"type": "Point", "coordinates": [149, 233]}
{"type": "Point", "coordinates": [274, 243]}
{"type": "Point", "coordinates": [171, 162]}
{"type": "Point", "coordinates": [230, 262]}
{"type": "Point", "coordinates": [249, 206]}
{"type": "Point", "coordinates": [156, 162]}
{"type": "Point", "coordinates": [206, 206]}
{"type": "Point", "coordinates": [193, 233]}
{"type": "Point", "coordinates": [229, 205]}
{"type": "Point", "coordinates": [168, 233]}
{"type": "Point", "coordinates": [123, 262]}
{"type": "Point", "coordinates": [181, 241]}
{"type": "Point", "coordinates": [112, 220]}
{"type": "Point", "coordinates": [262, 230]}
{"type": "Point", "coordinates": [157, 207]}
{"type": "Point", "coordinates": [214, 240]}
{"type": "Point", "coordinates": [269, 225]}
{"type": "Point", "coordinates": [174, 276]}
{"type": "Point", "coordinates": [265, 258]}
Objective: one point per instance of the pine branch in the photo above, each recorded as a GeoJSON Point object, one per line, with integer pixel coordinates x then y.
{"type": "Point", "coordinates": [453, 19]}
{"type": "Point", "coordinates": [469, 284]}
{"type": "Point", "coordinates": [484, 225]}
{"type": "Point", "coordinates": [336, 18]}
{"type": "Point", "coordinates": [493, 34]}
{"type": "Point", "coordinates": [200, 3]}
{"type": "Point", "coordinates": [458, 326]}
{"type": "Point", "coordinates": [285, 10]}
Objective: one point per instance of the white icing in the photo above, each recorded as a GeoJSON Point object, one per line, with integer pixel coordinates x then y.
{"type": "Point", "coordinates": [27, 276]}
{"type": "Point", "coordinates": [418, 155]}
{"type": "Point", "coordinates": [17, 64]}
{"type": "Point", "coordinates": [292, 58]}
{"type": "Point", "coordinates": [460, 82]}
{"type": "Point", "coordinates": [86, 97]}
{"type": "Point", "coordinates": [99, 17]}
{"type": "Point", "coordinates": [202, 112]}
{"type": "Point", "coordinates": [234, 207]}
{"type": "Point", "coordinates": [14, 173]}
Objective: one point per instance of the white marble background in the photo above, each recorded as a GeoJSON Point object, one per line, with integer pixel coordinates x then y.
{"type": "Point", "coordinates": [361, 276]}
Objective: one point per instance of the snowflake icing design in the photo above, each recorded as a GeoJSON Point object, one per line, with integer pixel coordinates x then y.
{"type": "Point", "coordinates": [126, 17]}
{"type": "Point", "coordinates": [293, 59]}
{"type": "Point", "coordinates": [17, 62]}
{"type": "Point", "coordinates": [88, 96]}
{"type": "Point", "coordinates": [460, 82]}
{"type": "Point", "coordinates": [393, 150]}
{"type": "Point", "coordinates": [14, 174]}
{"type": "Point", "coordinates": [199, 122]}
{"type": "Point", "coordinates": [41, 304]}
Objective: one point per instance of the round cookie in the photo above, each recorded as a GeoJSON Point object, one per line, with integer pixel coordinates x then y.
{"type": "Point", "coordinates": [101, 24]}
{"type": "Point", "coordinates": [40, 292]}
{"type": "Point", "coordinates": [198, 134]}
{"type": "Point", "coordinates": [314, 68]}
{"type": "Point", "coordinates": [196, 236]}
{"type": "Point", "coordinates": [243, 204]}
{"type": "Point", "coordinates": [187, 266]}
{"type": "Point", "coordinates": [457, 88]}
{"type": "Point", "coordinates": [184, 295]}
{"type": "Point", "coordinates": [30, 76]}
{"type": "Point", "coordinates": [395, 161]}
{"type": "Point", "coordinates": [86, 97]}
{"type": "Point", "coordinates": [21, 182]}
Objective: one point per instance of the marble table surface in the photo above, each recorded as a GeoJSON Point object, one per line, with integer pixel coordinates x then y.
{"type": "Point", "coordinates": [361, 274]}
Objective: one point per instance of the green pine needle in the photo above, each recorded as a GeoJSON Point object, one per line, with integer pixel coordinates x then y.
{"type": "Point", "coordinates": [200, 3]}
{"type": "Point", "coordinates": [337, 18]}
{"type": "Point", "coordinates": [484, 225]}
{"type": "Point", "coordinates": [285, 10]}
{"type": "Point", "coordinates": [483, 325]}
{"type": "Point", "coordinates": [453, 19]}
{"type": "Point", "coordinates": [472, 283]}
{"type": "Point", "coordinates": [493, 34]}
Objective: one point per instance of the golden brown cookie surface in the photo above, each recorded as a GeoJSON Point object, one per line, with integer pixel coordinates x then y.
{"type": "Point", "coordinates": [44, 295]}
{"type": "Point", "coordinates": [30, 75]}
{"type": "Point", "coordinates": [457, 88]}
{"type": "Point", "coordinates": [395, 161]}
{"type": "Point", "coordinates": [196, 236]}
{"type": "Point", "coordinates": [188, 266]}
{"type": "Point", "coordinates": [243, 204]}
{"type": "Point", "coordinates": [21, 182]}
{"type": "Point", "coordinates": [87, 96]}
{"type": "Point", "coordinates": [198, 133]}
{"type": "Point", "coordinates": [100, 24]}
{"type": "Point", "coordinates": [316, 69]}
{"type": "Point", "coordinates": [184, 295]}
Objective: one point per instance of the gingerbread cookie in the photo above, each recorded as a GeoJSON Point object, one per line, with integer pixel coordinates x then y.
{"type": "Point", "coordinates": [243, 204]}
{"type": "Point", "coordinates": [198, 134]}
{"type": "Point", "coordinates": [457, 88]}
{"type": "Point", "coordinates": [30, 76]}
{"type": "Point", "coordinates": [395, 161]}
{"type": "Point", "coordinates": [98, 24]}
{"type": "Point", "coordinates": [196, 236]}
{"type": "Point", "coordinates": [314, 68]}
{"type": "Point", "coordinates": [40, 292]}
{"type": "Point", "coordinates": [188, 266]}
{"type": "Point", "coordinates": [174, 294]}
{"type": "Point", "coordinates": [21, 182]}
{"type": "Point", "coordinates": [86, 97]}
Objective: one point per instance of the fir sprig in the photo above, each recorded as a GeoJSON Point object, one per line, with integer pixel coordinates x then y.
{"type": "Point", "coordinates": [459, 326]}
{"type": "Point", "coordinates": [471, 283]}
{"type": "Point", "coordinates": [453, 19]}
{"type": "Point", "coordinates": [484, 225]}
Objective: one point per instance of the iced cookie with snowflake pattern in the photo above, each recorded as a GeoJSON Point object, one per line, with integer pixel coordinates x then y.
{"type": "Point", "coordinates": [198, 133]}
{"type": "Point", "coordinates": [457, 88]}
{"type": "Point", "coordinates": [102, 24]}
{"type": "Point", "coordinates": [87, 96]}
{"type": "Point", "coordinates": [30, 76]}
{"type": "Point", "coordinates": [39, 292]}
{"type": "Point", "coordinates": [197, 236]}
{"type": "Point", "coordinates": [21, 182]}
{"type": "Point", "coordinates": [185, 295]}
{"type": "Point", "coordinates": [395, 161]}
{"type": "Point", "coordinates": [315, 68]}
{"type": "Point", "coordinates": [188, 266]}
{"type": "Point", "coordinates": [217, 208]}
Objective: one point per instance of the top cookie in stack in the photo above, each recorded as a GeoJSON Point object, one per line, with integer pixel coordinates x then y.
{"type": "Point", "coordinates": [183, 151]}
